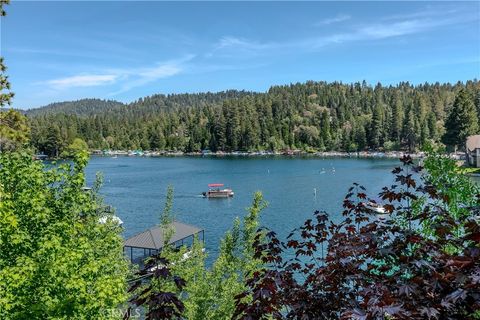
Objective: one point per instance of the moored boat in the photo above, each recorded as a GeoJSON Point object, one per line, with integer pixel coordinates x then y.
{"type": "Point", "coordinates": [215, 191]}
{"type": "Point", "coordinates": [379, 211]}
{"type": "Point", "coordinates": [376, 207]}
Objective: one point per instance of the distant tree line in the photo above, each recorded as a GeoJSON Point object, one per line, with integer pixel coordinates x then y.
{"type": "Point", "coordinates": [310, 116]}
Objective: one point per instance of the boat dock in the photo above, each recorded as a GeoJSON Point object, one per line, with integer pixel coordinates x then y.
{"type": "Point", "coordinates": [151, 241]}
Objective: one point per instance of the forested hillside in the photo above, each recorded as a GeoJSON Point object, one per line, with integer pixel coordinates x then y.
{"type": "Point", "coordinates": [87, 107]}
{"type": "Point", "coordinates": [80, 107]}
{"type": "Point", "coordinates": [313, 115]}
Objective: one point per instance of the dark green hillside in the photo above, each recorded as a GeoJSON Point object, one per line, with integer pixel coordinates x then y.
{"type": "Point", "coordinates": [311, 115]}
{"type": "Point", "coordinates": [84, 107]}
{"type": "Point", "coordinates": [154, 103]}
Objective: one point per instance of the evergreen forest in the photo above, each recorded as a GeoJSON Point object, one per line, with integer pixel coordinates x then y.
{"type": "Point", "coordinates": [311, 116]}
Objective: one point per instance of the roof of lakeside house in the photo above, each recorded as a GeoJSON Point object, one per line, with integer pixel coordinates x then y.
{"type": "Point", "coordinates": [473, 142]}
{"type": "Point", "coordinates": [153, 237]}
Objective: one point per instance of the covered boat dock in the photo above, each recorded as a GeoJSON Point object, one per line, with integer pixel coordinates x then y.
{"type": "Point", "coordinates": [151, 241]}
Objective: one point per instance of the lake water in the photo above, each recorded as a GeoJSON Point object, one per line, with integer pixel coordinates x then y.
{"type": "Point", "coordinates": [136, 187]}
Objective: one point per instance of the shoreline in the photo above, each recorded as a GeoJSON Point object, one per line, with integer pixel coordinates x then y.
{"type": "Point", "coordinates": [289, 153]}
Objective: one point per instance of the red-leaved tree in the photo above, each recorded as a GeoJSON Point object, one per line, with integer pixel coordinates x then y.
{"type": "Point", "coordinates": [414, 262]}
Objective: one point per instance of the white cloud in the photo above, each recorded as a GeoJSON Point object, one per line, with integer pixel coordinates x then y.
{"type": "Point", "coordinates": [394, 26]}
{"type": "Point", "coordinates": [371, 31]}
{"type": "Point", "coordinates": [387, 30]}
{"type": "Point", "coordinates": [238, 46]}
{"type": "Point", "coordinates": [87, 80]}
{"type": "Point", "coordinates": [336, 19]}
{"type": "Point", "coordinates": [427, 12]}
{"type": "Point", "coordinates": [229, 41]}
{"type": "Point", "coordinates": [127, 78]}
{"type": "Point", "coordinates": [141, 76]}
{"type": "Point", "coordinates": [376, 31]}
{"type": "Point", "coordinates": [161, 71]}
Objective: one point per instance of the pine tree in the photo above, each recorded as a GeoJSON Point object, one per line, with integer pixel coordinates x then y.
{"type": "Point", "coordinates": [462, 120]}
{"type": "Point", "coordinates": [397, 119]}
{"type": "Point", "coordinates": [53, 141]}
{"type": "Point", "coordinates": [325, 129]}
{"type": "Point", "coordinates": [218, 139]}
{"type": "Point", "coordinates": [432, 126]}
{"type": "Point", "coordinates": [409, 134]}
{"type": "Point", "coordinates": [376, 128]}
{"type": "Point", "coordinates": [360, 137]}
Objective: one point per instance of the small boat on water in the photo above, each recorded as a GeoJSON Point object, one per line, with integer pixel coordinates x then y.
{"type": "Point", "coordinates": [215, 191]}
{"type": "Point", "coordinates": [376, 207]}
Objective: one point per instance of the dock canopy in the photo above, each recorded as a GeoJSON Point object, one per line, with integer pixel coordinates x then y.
{"type": "Point", "coordinates": [153, 238]}
{"type": "Point", "coordinates": [215, 185]}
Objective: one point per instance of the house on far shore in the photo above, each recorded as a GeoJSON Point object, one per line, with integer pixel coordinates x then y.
{"type": "Point", "coordinates": [473, 151]}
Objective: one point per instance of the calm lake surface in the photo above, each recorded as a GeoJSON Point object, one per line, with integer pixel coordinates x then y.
{"type": "Point", "coordinates": [136, 187]}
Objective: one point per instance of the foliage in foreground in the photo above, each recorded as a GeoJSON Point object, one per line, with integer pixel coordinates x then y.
{"type": "Point", "coordinates": [179, 287]}
{"type": "Point", "coordinates": [56, 260]}
{"type": "Point", "coordinates": [422, 264]}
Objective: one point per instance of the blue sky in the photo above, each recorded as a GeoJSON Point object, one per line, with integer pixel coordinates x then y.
{"type": "Point", "coordinates": [121, 50]}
